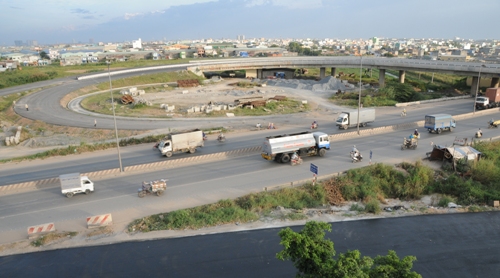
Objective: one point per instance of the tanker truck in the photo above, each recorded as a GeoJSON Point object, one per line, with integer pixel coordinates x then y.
{"type": "Point", "coordinates": [280, 148]}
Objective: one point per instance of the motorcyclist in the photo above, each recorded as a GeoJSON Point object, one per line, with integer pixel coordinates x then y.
{"type": "Point", "coordinates": [221, 136]}
{"type": "Point", "coordinates": [354, 150]}
{"type": "Point", "coordinates": [479, 133]}
{"type": "Point", "coordinates": [258, 125]}
{"type": "Point", "coordinates": [415, 133]}
{"type": "Point", "coordinates": [314, 125]}
{"type": "Point", "coordinates": [204, 135]}
{"type": "Point", "coordinates": [404, 112]}
{"type": "Point", "coordinates": [295, 156]}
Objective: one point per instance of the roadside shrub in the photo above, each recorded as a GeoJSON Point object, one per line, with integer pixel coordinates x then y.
{"type": "Point", "coordinates": [372, 206]}
{"type": "Point", "coordinates": [445, 200]}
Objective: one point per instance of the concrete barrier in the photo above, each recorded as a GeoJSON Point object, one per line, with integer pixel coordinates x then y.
{"type": "Point", "coordinates": [37, 230]}
{"type": "Point", "coordinates": [99, 221]}
{"type": "Point", "coordinates": [404, 104]}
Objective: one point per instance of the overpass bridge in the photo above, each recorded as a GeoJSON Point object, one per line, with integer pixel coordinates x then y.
{"type": "Point", "coordinates": [256, 67]}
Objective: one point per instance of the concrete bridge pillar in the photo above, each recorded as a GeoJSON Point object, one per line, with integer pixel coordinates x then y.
{"type": "Point", "coordinates": [381, 78]}
{"type": "Point", "coordinates": [495, 82]}
{"type": "Point", "coordinates": [334, 71]}
{"type": "Point", "coordinates": [473, 86]}
{"type": "Point", "coordinates": [322, 73]}
{"type": "Point", "coordinates": [259, 74]}
{"type": "Point", "coordinates": [402, 75]}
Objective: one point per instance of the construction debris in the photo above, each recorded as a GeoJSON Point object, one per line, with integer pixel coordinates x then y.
{"type": "Point", "coordinates": [188, 83]}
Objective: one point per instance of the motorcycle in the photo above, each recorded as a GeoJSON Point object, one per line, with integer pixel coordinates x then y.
{"type": "Point", "coordinates": [403, 114]}
{"type": "Point", "coordinates": [493, 124]}
{"type": "Point", "coordinates": [409, 143]}
{"type": "Point", "coordinates": [356, 158]}
{"type": "Point", "coordinates": [221, 139]}
{"type": "Point", "coordinates": [479, 134]}
{"type": "Point", "coordinates": [296, 161]}
{"type": "Point", "coordinates": [314, 126]}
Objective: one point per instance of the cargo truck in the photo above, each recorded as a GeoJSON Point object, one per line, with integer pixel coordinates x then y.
{"type": "Point", "coordinates": [74, 183]}
{"type": "Point", "coordinates": [490, 99]}
{"type": "Point", "coordinates": [280, 148]}
{"type": "Point", "coordinates": [350, 118]}
{"type": "Point", "coordinates": [438, 122]}
{"type": "Point", "coordinates": [181, 142]}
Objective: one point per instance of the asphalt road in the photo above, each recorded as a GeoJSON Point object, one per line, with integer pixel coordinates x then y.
{"type": "Point", "coordinates": [453, 245]}
{"type": "Point", "coordinates": [207, 182]}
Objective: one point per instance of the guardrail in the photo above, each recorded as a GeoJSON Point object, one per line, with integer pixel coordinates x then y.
{"type": "Point", "coordinates": [40, 184]}
{"type": "Point", "coordinates": [429, 101]}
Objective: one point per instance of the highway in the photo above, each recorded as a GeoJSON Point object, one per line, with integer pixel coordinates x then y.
{"type": "Point", "coordinates": [204, 182]}
{"type": "Point", "coordinates": [135, 155]}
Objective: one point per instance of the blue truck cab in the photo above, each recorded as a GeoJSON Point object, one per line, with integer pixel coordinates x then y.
{"type": "Point", "coordinates": [438, 122]}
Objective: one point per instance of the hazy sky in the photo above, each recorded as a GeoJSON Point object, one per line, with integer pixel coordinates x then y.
{"type": "Point", "coordinates": [65, 21]}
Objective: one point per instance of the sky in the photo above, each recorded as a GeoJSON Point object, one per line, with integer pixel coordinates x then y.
{"type": "Point", "coordinates": [68, 21]}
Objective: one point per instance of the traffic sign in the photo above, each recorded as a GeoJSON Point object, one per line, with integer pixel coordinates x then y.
{"type": "Point", "coordinates": [314, 168]}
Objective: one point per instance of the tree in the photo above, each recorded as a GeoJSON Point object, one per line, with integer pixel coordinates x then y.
{"type": "Point", "coordinates": [44, 55]}
{"type": "Point", "coordinates": [314, 256]}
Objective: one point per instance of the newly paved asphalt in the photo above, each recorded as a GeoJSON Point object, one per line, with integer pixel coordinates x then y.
{"type": "Point", "coordinates": [453, 245]}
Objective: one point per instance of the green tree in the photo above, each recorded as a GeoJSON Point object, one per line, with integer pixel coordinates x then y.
{"type": "Point", "coordinates": [308, 249]}
{"type": "Point", "coordinates": [44, 55]}
{"type": "Point", "coordinates": [314, 256]}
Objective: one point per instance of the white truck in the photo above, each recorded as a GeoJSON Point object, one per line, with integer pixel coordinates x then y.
{"type": "Point", "coordinates": [181, 142]}
{"type": "Point", "coordinates": [280, 148]}
{"type": "Point", "coordinates": [350, 118]}
{"type": "Point", "coordinates": [74, 183]}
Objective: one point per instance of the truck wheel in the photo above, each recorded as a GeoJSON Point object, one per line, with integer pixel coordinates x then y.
{"type": "Point", "coordinates": [451, 128]}
{"type": "Point", "coordinates": [168, 154]}
{"type": "Point", "coordinates": [345, 127]}
{"type": "Point", "coordinates": [322, 152]}
{"type": "Point", "coordinates": [363, 124]}
{"type": "Point", "coordinates": [69, 194]}
{"type": "Point", "coordinates": [285, 158]}
{"type": "Point", "coordinates": [159, 192]}
{"type": "Point", "coordinates": [439, 131]}
{"type": "Point", "coordinates": [87, 191]}
{"type": "Point", "coordinates": [193, 150]}
{"type": "Point", "coordinates": [141, 194]}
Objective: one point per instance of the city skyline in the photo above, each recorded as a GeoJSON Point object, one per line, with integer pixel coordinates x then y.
{"type": "Point", "coordinates": [72, 21]}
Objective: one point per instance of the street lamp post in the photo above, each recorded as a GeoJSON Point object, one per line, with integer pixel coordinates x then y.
{"type": "Point", "coordinates": [360, 82]}
{"type": "Point", "coordinates": [477, 87]}
{"type": "Point", "coordinates": [114, 118]}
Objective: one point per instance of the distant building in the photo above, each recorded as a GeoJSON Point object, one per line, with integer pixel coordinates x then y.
{"type": "Point", "coordinates": [137, 44]}
{"type": "Point", "coordinates": [18, 43]}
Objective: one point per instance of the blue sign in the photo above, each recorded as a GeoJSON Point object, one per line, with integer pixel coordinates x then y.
{"type": "Point", "coordinates": [314, 168]}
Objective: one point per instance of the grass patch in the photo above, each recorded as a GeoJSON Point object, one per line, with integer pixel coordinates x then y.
{"type": "Point", "coordinates": [243, 209]}
{"type": "Point", "coordinates": [51, 237]}
{"type": "Point", "coordinates": [445, 200]}
{"type": "Point", "coordinates": [35, 74]}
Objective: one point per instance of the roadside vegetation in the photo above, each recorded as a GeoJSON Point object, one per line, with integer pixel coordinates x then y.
{"type": "Point", "coordinates": [32, 74]}
{"type": "Point", "coordinates": [51, 237]}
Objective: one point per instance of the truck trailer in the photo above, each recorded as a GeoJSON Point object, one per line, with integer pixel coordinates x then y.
{"type": "Point", "coordinates": [280, 148]}
{"type": "Point", "coordinates": [350, 118]}
{"type": "Point", "coordinates": [490, 99]}
{"type": "Point", "coordinates": [438, 122]}
{"type": "Point", "coordinates": [181, 142]}
{"type": "Point", "coordinates": [74, 183]}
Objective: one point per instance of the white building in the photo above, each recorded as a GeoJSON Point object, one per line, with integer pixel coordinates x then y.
{"type": "Point", "coordinates": [137, 44]}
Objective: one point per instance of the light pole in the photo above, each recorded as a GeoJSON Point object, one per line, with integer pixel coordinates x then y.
{"type": "Point", "coordinates": [114, 117]}
{"type": "Point", "coordinates": [477, 87]}
{"type": "Point", "coordinates": [359, 96]}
